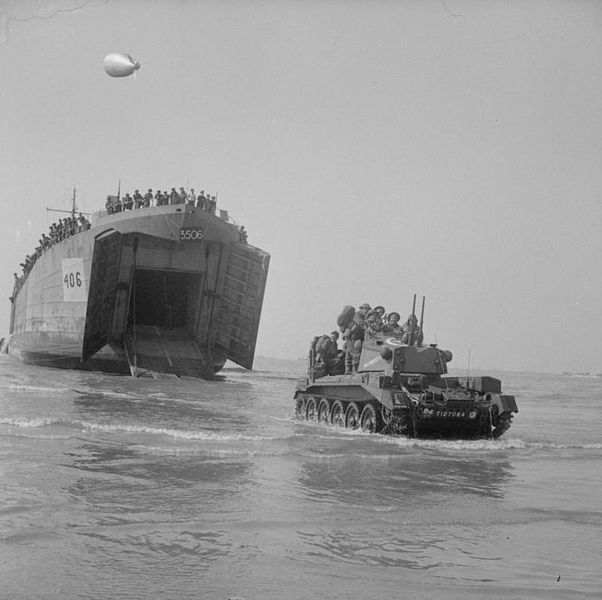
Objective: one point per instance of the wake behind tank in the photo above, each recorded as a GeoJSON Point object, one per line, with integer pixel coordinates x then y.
{"type": "Point", "coordinates": [399, 387]}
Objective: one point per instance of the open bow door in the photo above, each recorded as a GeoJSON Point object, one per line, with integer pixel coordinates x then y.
{"type": "Point", "coordinates": [241, 301]}
{"type": "Point", "coordinates": [104, 277]}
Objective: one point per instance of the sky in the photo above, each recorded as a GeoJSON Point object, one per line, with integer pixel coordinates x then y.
{"type": "Point", "coordinates": [376, 149]}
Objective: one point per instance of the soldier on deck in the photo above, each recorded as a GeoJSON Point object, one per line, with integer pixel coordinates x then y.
{"type": "Point", "coordinates": [392, 327]}
{"type": "Point", "coordinates": [380, 310]}
{"type": "Point", "coordinates": [137, 199]}
{"type": "Point", "coordinates": [354, 336]}
{"type": "Point", "coordinates": [200, 200]}
{"type": "Point", "coordinates": [411, 333]}
{"type": "Point", "coordinates": [83, 223]}
{"type": "Point", "coordinates": [335, 364]}
{"type": "Point", "coordinates": [327, 354]}
{"type": "Point", "coordinates": [374, 325]}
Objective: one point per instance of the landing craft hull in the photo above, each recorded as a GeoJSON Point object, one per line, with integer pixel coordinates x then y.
{"type": "Point", "coordinates": [168, 289]}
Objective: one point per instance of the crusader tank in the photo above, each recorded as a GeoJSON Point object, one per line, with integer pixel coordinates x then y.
{"type": "Point", "coordinates": [400, 388]}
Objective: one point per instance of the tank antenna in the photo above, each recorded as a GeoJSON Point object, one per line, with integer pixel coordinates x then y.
{"type": "Point", "coordinates": [411, 332]}
{"type": "Point", "coordinates": [420, 333]}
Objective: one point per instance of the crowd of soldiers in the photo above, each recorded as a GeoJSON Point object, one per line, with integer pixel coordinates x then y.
{"type": "Point", "coordinates": [116, 204]}
{"type": "Point", "coordinates": [57, 232]}
{"type": "Point", "coordinates": [367, 324]}
{"type": "Point", "coordinates": [206, 202]}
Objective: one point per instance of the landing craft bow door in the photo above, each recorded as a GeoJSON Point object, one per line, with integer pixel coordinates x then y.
{"type": "Point", "coordinates": [104, 277]}
{"type": "Point", "coordinates": [241, 300]}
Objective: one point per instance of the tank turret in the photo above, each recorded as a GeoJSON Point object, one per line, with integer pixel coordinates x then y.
{"type": "Point", "coordinates": [401, 387]}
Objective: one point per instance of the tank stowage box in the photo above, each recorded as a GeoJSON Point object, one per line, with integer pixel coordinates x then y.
{"type": "Point", "coordinates": [402, 389]}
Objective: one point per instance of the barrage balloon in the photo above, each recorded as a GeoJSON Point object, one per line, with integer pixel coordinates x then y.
{"type": "Point", "coordinates": [120, 65]}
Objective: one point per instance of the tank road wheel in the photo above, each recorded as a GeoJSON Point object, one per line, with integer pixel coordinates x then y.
{"type": "Point", "coordinates": [324, 412]}
{"type": "Point", "coordinates": [301, 407]}
{"type": "Point", "coordinates": [337, 414]}
{"type": "Point", "coordinates": [311, 412]}
{"type": "Point", "coordinates": [369, 419]}
{"type": "Point", "coordinates": [352, 416]}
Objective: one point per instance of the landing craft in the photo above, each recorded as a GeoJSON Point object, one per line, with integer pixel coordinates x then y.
{"type": "Point", "coordinates": [152, 289]}
{"type": "Point", "coordinates": [120, 65]}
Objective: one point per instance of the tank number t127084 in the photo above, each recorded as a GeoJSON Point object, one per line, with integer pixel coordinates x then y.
{"type": "Point", "coordinates": [189, 233]}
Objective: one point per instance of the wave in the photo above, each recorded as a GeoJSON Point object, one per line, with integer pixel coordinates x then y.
{"type": "Point", "coordinates": [179, 433]}
{"type": "Point", "coordinates": [214, 452]}
{"type": "Point", "coordinates": [14, 387]}
{"type": "Point", "coordinates": [29, 422]}
{"type": "Point", "coordinates": [480, 445]}
{"type": "Point", "coordinates": [209, 436]}
{"type": "Point", "coordinates": [326, 432]}
{"type": "Point", "coordinates": [109, 394]}
{"type": "Point", "coordinates": [42, 436]}
{"type": "Point", "coordinates": [234, 374]}
{"type": "Point", "coordinates": [565, 445]}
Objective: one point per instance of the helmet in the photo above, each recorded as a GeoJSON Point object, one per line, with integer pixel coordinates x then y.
{"type": "Point", "coordinates": [365, 306]}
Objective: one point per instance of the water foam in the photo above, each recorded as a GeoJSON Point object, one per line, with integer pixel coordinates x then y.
{"type": "Point", "coordinates": [208, 436]}
{"type": "Point", "coordinates": [29, 422]}
{"type": "Point", "coordinates": [14, 387]}
{"type": "Point", "coordinates": [565, 446]}
{"type": "Point", "coordinates": [213, 452]}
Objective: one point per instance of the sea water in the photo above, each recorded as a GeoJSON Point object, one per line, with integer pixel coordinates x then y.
{"type": "Point", "coordinates": [124, 488]}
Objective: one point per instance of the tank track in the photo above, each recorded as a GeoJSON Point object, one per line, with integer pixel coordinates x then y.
{"type": "Point", "coordinates": [369, 415]}
{"type": "Point", "coordinates": [365, 414]}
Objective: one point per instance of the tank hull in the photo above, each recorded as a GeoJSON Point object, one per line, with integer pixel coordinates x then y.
{"type": "Point", "coordinates": [169, 289]}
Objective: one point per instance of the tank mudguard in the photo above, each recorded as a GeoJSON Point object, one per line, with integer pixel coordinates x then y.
{"type": "Point", "coordinates": [392, 399]}
{"type": "Point", "coordinates": [504, 403]}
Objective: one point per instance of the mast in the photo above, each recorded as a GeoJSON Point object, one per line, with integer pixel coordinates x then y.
{"type": "Point", "coordinates": [73, 205]}
{"type": "Point", "coordinates": [69, 212]}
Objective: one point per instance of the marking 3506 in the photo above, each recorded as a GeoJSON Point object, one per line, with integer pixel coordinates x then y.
{"type": "Point", "coordinates": [191, 234]}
